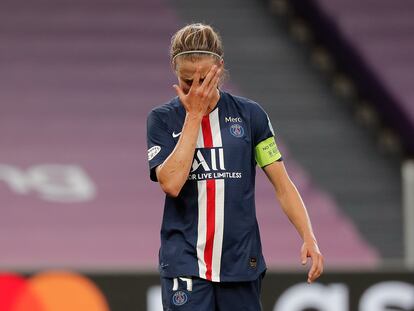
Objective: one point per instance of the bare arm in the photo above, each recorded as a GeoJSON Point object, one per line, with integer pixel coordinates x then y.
{"type": "Point", "coordinates": [173, 172]}
{"type": "Point", "coordinates": [294, 208]}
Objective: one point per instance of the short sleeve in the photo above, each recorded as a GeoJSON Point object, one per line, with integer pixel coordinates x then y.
{"type": "Point", "coordinates": [159, 141]}
{"type": "Point", "coordinates": [266, 150]}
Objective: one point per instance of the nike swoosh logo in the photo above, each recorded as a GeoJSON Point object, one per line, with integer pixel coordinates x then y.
{"type": "Point", "coordinates": [176, 135]}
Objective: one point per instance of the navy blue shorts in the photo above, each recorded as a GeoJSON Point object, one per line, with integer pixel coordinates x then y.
{"type": "Point", "coordinates": [192, 293]}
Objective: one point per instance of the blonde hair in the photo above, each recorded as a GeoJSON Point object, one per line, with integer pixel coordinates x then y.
{"type": "Point", "coordinates": [195, 40]}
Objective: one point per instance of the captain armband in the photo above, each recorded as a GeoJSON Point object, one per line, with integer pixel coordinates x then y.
{"type": "Point", "coordinates": [266, 152]}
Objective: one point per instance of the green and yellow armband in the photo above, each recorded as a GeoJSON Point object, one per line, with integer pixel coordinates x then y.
{"type": "Point", "coordinates": [266, 152]}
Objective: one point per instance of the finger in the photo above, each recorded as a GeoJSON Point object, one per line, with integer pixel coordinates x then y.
{"type": "Point", "coordinates": [319, 268]}
{"type": "Point", "coordinates": [213, 86]}
{"type": "Point", "coordinates": [209, 90]}
{"type": "Point", "coordinates": [214, 83]}
{"type": "Point", "coordinates": [210, 75]}
{"type": "Point", "coordinates": [179, 91]}
{"type": "Point", "coordinates": [316, 274]}
{"type": "Point", "coordinates": [313, 269]}
{"type": "Point", "coordinates": [303, 256]}
{"type": "Point", "coordinates": [196, 79]}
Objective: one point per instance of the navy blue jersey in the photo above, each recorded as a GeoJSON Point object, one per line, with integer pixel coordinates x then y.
{"type": "Point", "coordinates": [210, 230]}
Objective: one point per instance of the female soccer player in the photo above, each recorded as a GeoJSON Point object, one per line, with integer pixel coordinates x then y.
{"type": "Point", "coordinates": [204, 146]}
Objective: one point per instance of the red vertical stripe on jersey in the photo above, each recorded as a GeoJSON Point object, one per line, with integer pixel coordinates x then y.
{"type": "Point", "coordinates": [211, 204]}
{"type": "Point", "coordinates": [207, 136]}
{"type": "Point", "coordinates": [211, 221]}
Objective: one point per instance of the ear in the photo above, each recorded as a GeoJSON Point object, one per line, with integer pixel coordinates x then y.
{"type": "Point", "coordinates": [222, 62]}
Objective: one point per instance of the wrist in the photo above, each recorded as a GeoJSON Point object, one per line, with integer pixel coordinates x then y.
{"type": "Point", "coordinates": [194, 116]}
{"type": "Point", "coordinates": [310, 239]}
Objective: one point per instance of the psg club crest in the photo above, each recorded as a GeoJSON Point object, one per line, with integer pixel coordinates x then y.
{"type": "Point", "coordinates": [237, 130]}
{"type": "Point", "coordinates": [179, 298]}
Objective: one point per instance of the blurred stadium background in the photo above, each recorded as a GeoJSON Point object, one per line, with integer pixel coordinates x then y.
{"type": "Point", "coordinates": [79, 218]}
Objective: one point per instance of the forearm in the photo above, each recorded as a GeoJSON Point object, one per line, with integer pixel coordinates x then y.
{"type": "Point", "coordinates": [173, 172]}
{"type": "Point", "coordinates": [295, 209]}
{"type": "Point", "coordinates": [292, 204]}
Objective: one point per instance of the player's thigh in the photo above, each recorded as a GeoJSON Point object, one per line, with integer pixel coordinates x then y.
{"type": "Point", "coordinates": [240, 296]}
{"type": "Point", "coordinates": [186, 293]}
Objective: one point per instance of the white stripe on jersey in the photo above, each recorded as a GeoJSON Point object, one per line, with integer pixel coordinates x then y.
{"type": "Point", "coordinates": [215, 128]}
{"type": "Point", "coordinates": [202, 226]}
{"type": "Point", "coordinates": [218, 236]}
{"type": "Point", "coordinates": [200, 140]}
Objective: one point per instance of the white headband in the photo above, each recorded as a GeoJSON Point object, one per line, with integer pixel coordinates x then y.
{"type": "Point", "coordinates": [197, 51]}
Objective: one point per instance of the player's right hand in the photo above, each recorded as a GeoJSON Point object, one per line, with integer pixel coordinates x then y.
{"type": "Point", "coordinates": [201, 96]}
